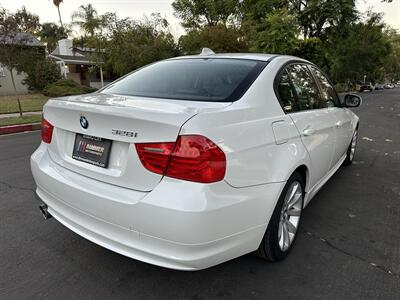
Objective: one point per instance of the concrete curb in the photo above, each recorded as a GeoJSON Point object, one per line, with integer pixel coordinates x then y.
{"type": "Point", "coordinates": [19, 128]}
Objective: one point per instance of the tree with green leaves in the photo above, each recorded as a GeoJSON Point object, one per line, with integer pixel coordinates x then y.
{"type": "Point", "coordinates": [219, 38]}
{"type": "Point", "coordinates": [332, 34]}
{"type": "Point", "coordinates": [51, 33]}
{"type": "Point", "coordinates": [316, 16]}
{"type": "Point", "coordinates": [277, 32]}
{"type": "Point", "coordinates": [42, 73]}
{"type": "Point", "coordinates": [16, 53]}
{"type": "Point", "coordinates": [313, 16]}
{"type": "Point", "coordinates": [212, 24]}
{"type": "Point", "coordinates": [314, 50]}
{"type": "Point", "coordinates": [197, 13]}
{"type": "Point", "coordinates": [133, 44]}
{"type": "Point", "coordinates": [256, 10]}
{"type": "Point", "coordinates": [362, 51]}
{"type": "Point", "coordinates": [8, 30]}
{"type": "Point", "coordinates": [392, 61]}
{"type": "Point", "coordinates": [26, 21]}
{"type": "Point", "coordinates": [87, 19]}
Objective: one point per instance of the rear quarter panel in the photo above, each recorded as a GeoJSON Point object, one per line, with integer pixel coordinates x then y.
{"type": "Point", "coordinates": [244, 131]}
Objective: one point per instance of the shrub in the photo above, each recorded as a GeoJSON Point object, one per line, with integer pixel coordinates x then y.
{"type": "Point", "coordinates": [41, 74]}
{"type": "Point", "coordinates": [66, 87]}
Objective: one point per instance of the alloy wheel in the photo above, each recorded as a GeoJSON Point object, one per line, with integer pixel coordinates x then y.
{"type": "Point", "coordinates": [290, 215]}
{"type": "Point", "coordinates": [353, 145]}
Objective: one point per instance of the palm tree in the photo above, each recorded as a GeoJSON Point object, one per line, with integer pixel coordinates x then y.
{"type": "Point", "coordinates": [86, 17]}
{"type": "Point", "coordinates": [57, 3]}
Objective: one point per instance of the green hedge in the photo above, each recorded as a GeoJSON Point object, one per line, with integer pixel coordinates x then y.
{"type": "Point", "coordinates": [66, 87]}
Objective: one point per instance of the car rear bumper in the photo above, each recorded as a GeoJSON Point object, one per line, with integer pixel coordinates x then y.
{"type": "Point", "coordinates": [180, 225]}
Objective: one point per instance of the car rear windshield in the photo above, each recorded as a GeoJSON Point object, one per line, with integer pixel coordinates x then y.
{"type": "Point", "coordinates": [195, 79]}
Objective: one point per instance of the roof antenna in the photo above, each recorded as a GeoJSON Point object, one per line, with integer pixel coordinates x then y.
{"type": "Point", "coordinates": [206, 51]}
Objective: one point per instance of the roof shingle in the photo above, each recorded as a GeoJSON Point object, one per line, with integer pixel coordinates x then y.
{"type": "Point", "coordinates": [21, 39]}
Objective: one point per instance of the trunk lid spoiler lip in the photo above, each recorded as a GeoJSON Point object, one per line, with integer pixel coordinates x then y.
{"type": "Point", "coordinates": [144, 103]}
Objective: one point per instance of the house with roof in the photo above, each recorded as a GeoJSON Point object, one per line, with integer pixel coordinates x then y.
{"type": "Point", "coordinates": [77, 63]}
{"type": "Point", "coordinates": [23, 41]}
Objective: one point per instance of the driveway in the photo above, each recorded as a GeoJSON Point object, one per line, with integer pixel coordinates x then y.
{"type": "Point", "coordinates": [349, 246]}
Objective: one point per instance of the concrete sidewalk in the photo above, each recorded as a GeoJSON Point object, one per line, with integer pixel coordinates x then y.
{"type": "Point", "coordinates": [13, 115]}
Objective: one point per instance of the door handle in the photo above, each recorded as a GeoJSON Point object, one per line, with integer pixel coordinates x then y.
{"type": "Point", "coordinates": [308, 131]}
{"type": "Point", "coordinates": [338, 124]}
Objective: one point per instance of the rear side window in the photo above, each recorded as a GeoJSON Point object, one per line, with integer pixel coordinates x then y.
{"type": "Point", "coordinates": [306, 89]}
{"type": "Point", "coordinates": [197, 79]}
{"type": "Point", "coordinates": [286, 93]}
{"type": "Point", "coordinates": [328, 92]}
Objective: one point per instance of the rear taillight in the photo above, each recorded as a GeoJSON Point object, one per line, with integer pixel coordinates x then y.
{"type": "Point", "coordinates": [47, 131]}
{"type": "Point", "coordinates": [192, 157]}
{"type": "Point", "coordinates": [196, 158]}
{"type": "Point", "coordinates": [155, 156]}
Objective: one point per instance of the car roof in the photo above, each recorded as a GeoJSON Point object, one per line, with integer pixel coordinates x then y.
{"type": "Point", "coordinates": [252, 56]}
{"type": "Point", "coordinates": [249, 56]}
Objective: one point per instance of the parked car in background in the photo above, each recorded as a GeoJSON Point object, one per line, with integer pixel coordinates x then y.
{"type": "Point", "coordinates": [389, 86]}
{"type": "Point", "coordinates": [364, 86]}
{"type": "Point", "coordinates": [195, 160]}
{"type": "Point", "coordinates": [379, 86]}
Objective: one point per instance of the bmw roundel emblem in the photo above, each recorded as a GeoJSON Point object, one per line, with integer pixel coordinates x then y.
{"type": "Point", "coordinates": [84, 122]}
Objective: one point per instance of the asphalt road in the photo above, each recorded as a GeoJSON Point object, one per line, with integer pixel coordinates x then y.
{"type": "Point", "coordinates": [348, 248]}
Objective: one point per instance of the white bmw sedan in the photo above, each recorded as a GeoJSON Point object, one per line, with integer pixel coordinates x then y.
{"type": "Point", "coordinates": [195, 160]}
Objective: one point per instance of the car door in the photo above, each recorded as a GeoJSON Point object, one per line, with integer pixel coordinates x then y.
{"type": "Point", "coordinates": [342, 116]}
{"type": "Point", "coordinates": [313, 120]}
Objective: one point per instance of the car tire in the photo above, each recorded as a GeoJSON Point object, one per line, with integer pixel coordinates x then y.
{"type": "Point", "coordinates": [351, 151]}
{"type": "Point", "coordinates": [279, 239]}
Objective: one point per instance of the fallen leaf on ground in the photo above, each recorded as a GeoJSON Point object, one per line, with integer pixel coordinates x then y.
{"type": "Point", "coordinates": [368, 139]}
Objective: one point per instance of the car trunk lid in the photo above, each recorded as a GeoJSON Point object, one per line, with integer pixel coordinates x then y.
{"type": "Point", "coordinates": [123, 120]}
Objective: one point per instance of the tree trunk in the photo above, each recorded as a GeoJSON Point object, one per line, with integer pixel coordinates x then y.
{"type": "Point", "coordinates": [19, 107]}
{"type": "Point", "coordinates": [59, 15]}
{"type": "Point", "coordinates": [15, 89]}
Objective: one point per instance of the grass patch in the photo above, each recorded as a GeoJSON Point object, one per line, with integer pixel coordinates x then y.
{"type": "Point", "coordinates": [20, 120]}
{"type": "Point", "coordinates": [29, 102]}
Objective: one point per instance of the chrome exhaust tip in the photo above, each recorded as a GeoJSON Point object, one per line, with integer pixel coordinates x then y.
{"type": "Point", "coordinates": [44, 210]}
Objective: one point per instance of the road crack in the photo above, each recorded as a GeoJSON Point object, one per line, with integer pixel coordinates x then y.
{"type": "Point", "coordinates": [332, 246]}
{"type": "Point", "coordinates": [7, 186]}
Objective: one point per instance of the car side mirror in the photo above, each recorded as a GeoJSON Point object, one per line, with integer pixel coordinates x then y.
{"type": "Point", "coordinates": [352, 100]}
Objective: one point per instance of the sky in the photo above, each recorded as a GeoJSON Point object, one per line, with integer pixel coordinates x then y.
{"type": "Point", "coordinates": [139, 8]}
